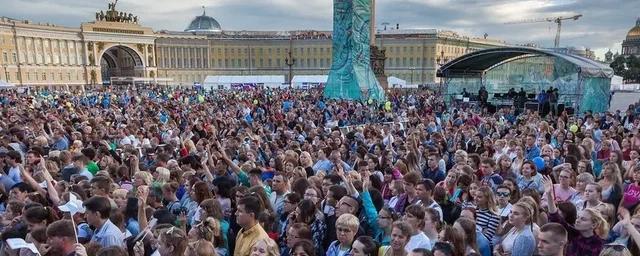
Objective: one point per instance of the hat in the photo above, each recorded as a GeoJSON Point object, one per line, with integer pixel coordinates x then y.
{"type": "Point", "coordinates": [3, 151]}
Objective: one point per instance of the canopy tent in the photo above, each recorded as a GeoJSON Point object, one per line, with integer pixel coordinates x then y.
{"type": "Point", "coordinates": [242, 82]}
{"type": "Point", "coordinates": [618, 84]}
{"type": "Point", "coordinates": [583, 82]}
{"type": "Point", "coordinates": [6, 85]}
{"type": "Point", "coordinates": [306, 82]}
{"type": "Point", "coordinates": [395, 82]}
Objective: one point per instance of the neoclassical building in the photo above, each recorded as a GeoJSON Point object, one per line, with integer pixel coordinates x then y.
{"type": "Point", "coordinates": [631, 45]}
{"type": "Point", "coordinates": [116, 48]}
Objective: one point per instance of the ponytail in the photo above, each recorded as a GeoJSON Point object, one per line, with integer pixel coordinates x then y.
{"type": "Point", "coordinates": [39, 214]}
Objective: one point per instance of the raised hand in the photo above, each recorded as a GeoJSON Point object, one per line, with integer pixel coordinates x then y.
{"type": "Point", "coordinates": [548, 184]}
{"type": "Point", "coordinates": [142, 194]}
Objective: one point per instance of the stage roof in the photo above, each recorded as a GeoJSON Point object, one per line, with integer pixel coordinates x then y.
{"type": "Point", "coordinates": [476, 63]}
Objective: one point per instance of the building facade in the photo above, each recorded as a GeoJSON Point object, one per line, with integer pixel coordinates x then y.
{"type": "Point", "coordinates": [115, 45]}
{"type": "Point", "coordinates": [631, 44]}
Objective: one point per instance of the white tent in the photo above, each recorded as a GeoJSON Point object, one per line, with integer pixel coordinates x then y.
{"type": "Point", "coordinates": [240, 82]}
{"type": "Point", "coordinates": [6, 85]}
{"type": "Point", "coordinates": [616, 83]}
{"type": "Point", "coordinates": [395, 82]}
{"type": "Point", "coordinates": [306, 82]}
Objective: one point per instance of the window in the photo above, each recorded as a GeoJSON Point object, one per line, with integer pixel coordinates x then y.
{"type": "Point", "coordinates": [5, 59]}
{"type": "Point", "coordinates": [44, 76]}
{"type": "Point", "coordinates": [278, 64]}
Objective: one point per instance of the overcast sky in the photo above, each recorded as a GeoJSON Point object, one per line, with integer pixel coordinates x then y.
{"type": "Point", "coordinates": [604, 25]}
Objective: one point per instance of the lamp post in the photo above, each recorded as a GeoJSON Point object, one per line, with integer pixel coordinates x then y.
{"type": "Point", "coordinates": [440, 62]}
{"type": "Point", "coordinates": [289, 60]}
{"type": "Point", "coordinates": [6, 74]}
{"type": "Point", "coordinates": [412, 69]}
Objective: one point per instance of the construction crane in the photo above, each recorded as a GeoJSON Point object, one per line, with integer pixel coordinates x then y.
{"type": "Point", "coordinates": [557, 20]}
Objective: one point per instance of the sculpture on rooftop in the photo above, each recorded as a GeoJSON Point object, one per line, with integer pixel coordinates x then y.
{"type": "Point", "coordinates": [113, 15]}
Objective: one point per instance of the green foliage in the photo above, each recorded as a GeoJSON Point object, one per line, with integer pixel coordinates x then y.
{"type": "Point", "coordinates": [627, 67]}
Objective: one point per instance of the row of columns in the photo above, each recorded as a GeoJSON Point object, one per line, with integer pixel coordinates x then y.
{"type": "Point", "coordinates": [35, 47]}
{"type": "Point", "coordinates": [183, 56]}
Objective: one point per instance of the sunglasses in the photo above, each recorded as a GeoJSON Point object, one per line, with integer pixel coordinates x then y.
{"type": "Point", "coordinates": [503, 194]}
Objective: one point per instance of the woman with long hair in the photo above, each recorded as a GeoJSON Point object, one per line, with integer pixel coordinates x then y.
{"type": "Point", "coordinates": [449, 183]}
{"type": "Point", "coordinates": [529, 178]}
{"type": "Point", "coordinates": [632, 163]}
{"type": "Point", "coordinates": [518, 239]}
{"type": "Point", "coordinates": [198, 193]}
{"type": "Point", "coordinates": [512, 184]}
{"type": "Point", "coordinates": [487, 218]}
{"type": "Point", "coordinates": [631, 196]}
{"type": "Point", "coordinates": [211, 211]}
{"type": "Point", "coordinates": [586, 235]}
{"type": "Point", "coordinates": [611, 183]}
{"type": "Point", "coordinates": [467, 227]}
{"type": "Point", "coordinates": [450, 235]}
{"type": "Point", "coordinates": [37, 217]}
{"type": "Point", "coordinates": [581, 184]}
{"type": "Point", "coordinates": [504, 166]}
{"type": "Point", "coordinates": [518, 160]}
{"type": "Point", "coordinates": [172, 242]}
{"type": "Point", "coordinates": [308, 213]}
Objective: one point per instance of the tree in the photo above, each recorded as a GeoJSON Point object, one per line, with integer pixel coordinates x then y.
{"type": "Point", "coordinates": [627, 67]}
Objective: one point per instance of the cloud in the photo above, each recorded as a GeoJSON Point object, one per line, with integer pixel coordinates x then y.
{"type": "Point", "coordinates": [603, 26]}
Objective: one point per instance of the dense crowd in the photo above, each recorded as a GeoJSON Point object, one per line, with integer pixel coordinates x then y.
{"type": "Point", "coordinates": [172, 172]}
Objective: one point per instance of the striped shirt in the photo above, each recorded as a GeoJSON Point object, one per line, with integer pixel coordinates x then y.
{"type": "Point", "coordinates": [488, 222]}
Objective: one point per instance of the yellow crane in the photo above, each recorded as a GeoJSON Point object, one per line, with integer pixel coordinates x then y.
{"type": "Point", "coordinates": [557, 20]}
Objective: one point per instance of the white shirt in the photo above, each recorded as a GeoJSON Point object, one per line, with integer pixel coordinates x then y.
{"type": "Point", "coordinates": [504, 212]}
{"type": "Point", "coordinates": [437, 207]}
{"type": "Point", "coordinates": [419, 240]}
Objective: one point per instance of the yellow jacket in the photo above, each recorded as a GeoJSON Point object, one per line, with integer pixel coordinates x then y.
{"type": "Point", "coordinates": [247, 238]}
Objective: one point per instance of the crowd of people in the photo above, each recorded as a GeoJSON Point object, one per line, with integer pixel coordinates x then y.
{"type": "Point", "coordinates": [161, 171]}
